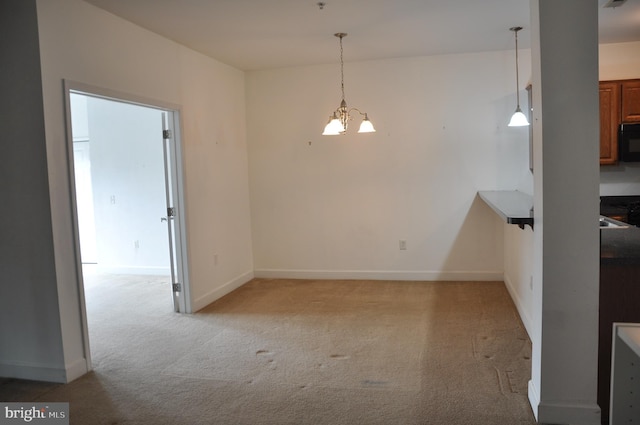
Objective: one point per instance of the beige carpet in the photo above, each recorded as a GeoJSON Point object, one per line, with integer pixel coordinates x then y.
{"type": "Point", "coordinates": [300, 352]}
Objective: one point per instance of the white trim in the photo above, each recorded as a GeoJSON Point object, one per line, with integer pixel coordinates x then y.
{"type": "Point", "coordinates": [568, 413]}
{"type": "Point", "coordinates": [47, 373]}
{"type": "Point", "coordinates": [534, 398]}
{"type": "Point", "coordinates": [211, 296]}
{"type": "Point", "coordinates": [183, 263]}
{"type": "Point", "coordinates": [76, 369]}
{"type": "Point", "coordinates": [34, 372]}
{"type": "Point", "coordinates": [524, 316]}
{"type": "Point", "coordinates": [76, 230]}
{"type": "Point", "coordinates": [118, 96]}
{"type": "Point", "coordinates": [381, 275]}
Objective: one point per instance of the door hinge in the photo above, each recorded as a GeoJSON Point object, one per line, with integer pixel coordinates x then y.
{"type": "Point", "coordinates": [166, 134]}
{"type": "Point", "coordinates": [171, 212]}
{"type": "Point", "coordinates": [177, 287]}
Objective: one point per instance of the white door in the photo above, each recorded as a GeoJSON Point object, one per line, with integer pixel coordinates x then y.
{"type": "Point", "coordinates": [174, 211]}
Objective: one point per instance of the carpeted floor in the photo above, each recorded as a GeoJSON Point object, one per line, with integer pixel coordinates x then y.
{"type": "Point", "coordinates": [280, 351]}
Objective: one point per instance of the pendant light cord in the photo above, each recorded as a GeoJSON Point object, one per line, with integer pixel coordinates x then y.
{"type": "Point", "coordinates": [517, 77]}
{"type": "Point", "coordinates": [341, 67]}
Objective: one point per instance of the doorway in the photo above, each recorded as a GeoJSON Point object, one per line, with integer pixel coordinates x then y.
{"type": "Point", "coordinates": [125, 166]}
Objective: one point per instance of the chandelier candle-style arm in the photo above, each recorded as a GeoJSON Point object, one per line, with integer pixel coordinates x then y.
{"type": "Point", "coordinates": [339, 120]}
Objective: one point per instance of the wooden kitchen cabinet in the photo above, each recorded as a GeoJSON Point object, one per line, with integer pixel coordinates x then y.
{"type": "Point", "coordinates": [619, 103]}
{"type": "Point", "coordinates": [609, 121]}
{"type": "Point", "coordinates": [631, 101]}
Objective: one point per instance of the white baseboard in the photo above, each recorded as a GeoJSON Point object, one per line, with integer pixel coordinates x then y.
{"type": "Point", "coordinates": [380, 275]}
{"type": "Point", "coordinates": [76, 369]}
{"type": "Point", "coordinates": [534, 398]}
{"type": "Point", "coordinates": [561, 413]}
{"type": "Point", "coordinates": [33, 372]}
{"type": "Point", "coordinates": [522, 311]}
{"type": "Point", "coordinates": [203, 301]}
{"type": "Point", "coordinates": [147, 271]}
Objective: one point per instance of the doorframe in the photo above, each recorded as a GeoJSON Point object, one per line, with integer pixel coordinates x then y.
{"type": "Point", "coordinates": [177, 161]}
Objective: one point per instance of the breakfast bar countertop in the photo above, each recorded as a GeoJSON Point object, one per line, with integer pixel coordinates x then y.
{"type": "Point", "coordinates": [512, 206]}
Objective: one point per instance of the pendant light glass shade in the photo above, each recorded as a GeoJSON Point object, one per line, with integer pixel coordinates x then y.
{"type": "Point", "coordinates": [366, 126]}
{"type": "Point", "coordinates": [333, 127]}
{"type": "Point", "coordinates": [340, 119]}
{"type": "Point", "coordinates": [518, 119]}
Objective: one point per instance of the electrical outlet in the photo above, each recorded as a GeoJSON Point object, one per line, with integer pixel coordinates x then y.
{"type": "Point", "coordinates": [403, 244]}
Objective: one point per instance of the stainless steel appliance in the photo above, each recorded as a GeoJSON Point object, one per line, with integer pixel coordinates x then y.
{"type": "Point", "coordinates": [629, 143]}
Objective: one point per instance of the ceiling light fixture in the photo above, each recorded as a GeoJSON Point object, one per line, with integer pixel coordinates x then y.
{"type": "Point", "coordinates": [518, 119]}
{"type": "Point", "coordinates": [340, 119]}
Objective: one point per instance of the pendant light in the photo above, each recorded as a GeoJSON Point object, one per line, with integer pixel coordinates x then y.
{"type": "Point", "coordinates": [519, 119]}
{"type": "Point", "coordinates": [340, 118]}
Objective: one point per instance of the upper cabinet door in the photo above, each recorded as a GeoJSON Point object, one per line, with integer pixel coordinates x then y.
{"type": "Point", "coordinates": [631, 101]}
{"type": "Point", "coordinates": [609, 120]}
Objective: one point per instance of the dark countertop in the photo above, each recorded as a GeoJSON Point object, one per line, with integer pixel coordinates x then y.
{"type": "Point", "coordinates": [617, 206]}
{"type": "Point", "coordinates": [512, 206]}
{"type": "Point", "coordinates": [620, 246]}
{"type": "Point", "coordinates": [617, 246]}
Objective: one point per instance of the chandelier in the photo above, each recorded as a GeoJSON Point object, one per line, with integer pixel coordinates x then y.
{"type": "Point", "coordinates": [340, 118]}
{"type": "Point", "coordinates": [518, 119]}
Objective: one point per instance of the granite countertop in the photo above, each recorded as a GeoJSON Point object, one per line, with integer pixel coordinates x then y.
{"type": "Point", "coordinates": [620, 246]}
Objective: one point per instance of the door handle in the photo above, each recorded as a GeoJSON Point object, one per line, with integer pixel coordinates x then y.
{"type": "Point", "coordinates": [163, 219]}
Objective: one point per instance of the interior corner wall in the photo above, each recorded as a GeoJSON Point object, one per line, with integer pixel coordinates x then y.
{"type": "Point", "coordinates": [30, 333]}
{"type": "Point", "coordinates": [338, 206]}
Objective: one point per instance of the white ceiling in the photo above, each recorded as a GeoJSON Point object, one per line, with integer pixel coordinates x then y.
{"type": "Point", "coordinates": [262, 34]}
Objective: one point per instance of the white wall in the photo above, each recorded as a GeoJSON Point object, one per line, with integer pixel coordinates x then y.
{"type": "Point", "coordinates": [518, 271]}
{"type": "Point", "coordinates": [85, 44]}
{"type": "Point", "coordinates": [337, 206]}
{"type": "Point", "coordinates": [619, 62]}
